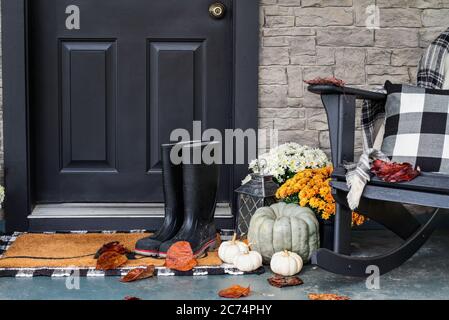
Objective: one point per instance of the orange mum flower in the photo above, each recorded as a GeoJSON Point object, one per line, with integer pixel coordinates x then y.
{"type": "Point", "coordinates": [312, 188]}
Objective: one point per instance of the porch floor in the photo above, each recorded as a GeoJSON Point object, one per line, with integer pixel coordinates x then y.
{"type": "Point", "coordinates": [425, 276]}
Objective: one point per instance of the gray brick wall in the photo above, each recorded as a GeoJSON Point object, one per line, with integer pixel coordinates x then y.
{"type": "Point", "coordinates": [303, 39]}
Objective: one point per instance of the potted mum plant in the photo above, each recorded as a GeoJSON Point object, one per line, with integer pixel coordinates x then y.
{"type": "Point", "coordinates": [311, 188]}
{"type": "Point", "coordinates": [303, 174]}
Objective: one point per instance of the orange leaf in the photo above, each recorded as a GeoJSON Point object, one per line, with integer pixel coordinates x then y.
{"type": "Point", "coordinates": [180, 257]}
{"type": "Point", "coordinates": [138, 274]}
{"type": "Point", "coordinates": [326, 296]}
{"type": "Point", "coordinates": [110, 260]}
{"type": "Point", "coordinates": [234, 292]}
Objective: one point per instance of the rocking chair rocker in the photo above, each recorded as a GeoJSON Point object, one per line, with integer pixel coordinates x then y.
{"type": "Point", "coordinates": [381, 202]}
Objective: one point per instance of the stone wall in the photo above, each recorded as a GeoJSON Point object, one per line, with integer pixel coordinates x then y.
{"type": "Point", "coordinates": [303, 39]}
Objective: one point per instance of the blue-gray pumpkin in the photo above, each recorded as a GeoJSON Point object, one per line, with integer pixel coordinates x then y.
{"type": "Point", "coordinates": [282, 227]}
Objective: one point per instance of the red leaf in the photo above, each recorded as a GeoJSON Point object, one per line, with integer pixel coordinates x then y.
{"type": "Point", "coordinates": [111, 260]}
{"type": "Point", "coordinates": [326, 296]}
{"type": "Point", "coordinates": [281, 281]}
{"type": "Point", "coordinates": [138, 274]}
{"type": "Point", "coordinates": [329, 80]}
{"type": "Point", "coordinates": [180, 257]}
{"type": "Point", "coordinates": [114, 246]}
{"type": "Point", "coordinates": [234, 292]}
{"type": "Point", "coordinates": [394, 172]}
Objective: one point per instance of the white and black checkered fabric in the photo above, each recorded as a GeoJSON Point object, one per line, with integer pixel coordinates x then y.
{"type": "Point", "coordinates": [430, 75]}
{"type": "Point", "coordinates": [417, 127]}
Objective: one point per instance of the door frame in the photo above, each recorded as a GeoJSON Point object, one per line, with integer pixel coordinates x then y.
{"type": "Point", "coordinates": [18, 166]}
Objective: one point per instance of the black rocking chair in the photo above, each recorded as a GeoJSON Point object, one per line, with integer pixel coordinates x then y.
{"type": "Point", "coordinates": [381, 202]}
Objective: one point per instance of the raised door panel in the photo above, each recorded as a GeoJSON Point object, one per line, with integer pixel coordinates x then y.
{"type": "Point", "coordinates": [88, 106]}
{"type": "Point", "coordinates": [176, 91]}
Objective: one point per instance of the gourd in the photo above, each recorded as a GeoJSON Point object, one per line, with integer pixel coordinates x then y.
{"type": "Point", "coordinates": [248, 261]}
{"type": "Point", "coordinates": [284, 226]}
{"type": "Point", "coordinates": [228, 250]}
{"type": "Point", "coordinates": [286, 263]}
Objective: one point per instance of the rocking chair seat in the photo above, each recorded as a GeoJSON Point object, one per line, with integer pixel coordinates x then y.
{"type": "Point", "coordinates": [381, 203]}
{"type": "Point", "coordinates": [426, 182]}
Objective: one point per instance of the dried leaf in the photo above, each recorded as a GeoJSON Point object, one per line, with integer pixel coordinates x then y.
{"type": "Point", "coordinates": [326, 296]}
{"type": "Point", "coordinates": [138, 274]}
{"type": "Point", "coordinates": [394, 172]}
{"type": "Point", "coordinates": [218, 240]}
{"type": "Point", "coordinates": [180, 257]}
{"type": "Point", "coordinates": [281, 281]}
{"type": "Point", "coordinates": [130, 298]}
{"type": "Point", "coordinates": [111, 260]}
{"type": "Point", "coordinates": [329, 80]}
{"type": "Point", "coordinates": [113, 246]}
{"type": "Point", "coordinates": [234, 292]}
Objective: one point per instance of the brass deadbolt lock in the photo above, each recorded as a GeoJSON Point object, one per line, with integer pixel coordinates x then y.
{"type": "Point", "coordinates": [217, 10]}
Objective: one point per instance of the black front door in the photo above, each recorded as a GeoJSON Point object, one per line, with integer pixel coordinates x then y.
{"type": "Point", "coordinates": [110, 80]}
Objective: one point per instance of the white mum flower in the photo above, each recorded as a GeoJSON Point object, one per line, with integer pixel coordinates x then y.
{"type": "Point", "coordinates": [289, 158]}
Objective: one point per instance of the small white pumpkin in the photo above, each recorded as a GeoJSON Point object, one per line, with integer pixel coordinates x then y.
{"type": "Point", "coordinates": [286, 263]}
{"type": "Point", "coordinates": [248, 261]}
{"type": "Point", "coordinates": [230, 249]}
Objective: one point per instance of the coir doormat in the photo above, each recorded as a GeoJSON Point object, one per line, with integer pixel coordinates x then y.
{"type": "Point", "coordinates": [55, 252]}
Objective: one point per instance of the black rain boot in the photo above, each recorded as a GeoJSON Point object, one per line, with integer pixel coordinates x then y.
{"type": "Point", "coordinates": [174, 205]}
{"type": "Point", "coordinates": [200, 186]}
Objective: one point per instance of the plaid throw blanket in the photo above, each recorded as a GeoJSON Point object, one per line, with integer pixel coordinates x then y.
{"type": "Point", "coordinates": [431, 75]}
{"type": "Point", "coordinates": [431, 67]}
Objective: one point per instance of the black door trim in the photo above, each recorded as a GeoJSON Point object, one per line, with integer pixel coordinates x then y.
{"type": "Point", "coordinates": [18, 168]}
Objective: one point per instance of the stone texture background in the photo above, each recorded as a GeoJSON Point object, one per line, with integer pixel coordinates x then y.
{"type": "Point", "coordinates": [303, 39]}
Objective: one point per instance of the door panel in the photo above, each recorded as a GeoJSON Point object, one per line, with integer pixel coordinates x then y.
{"type": "Point", "coordinates": [104, 97]}
{"type": "Point", "coordinates": [88, 73]}
{"type": "Point", "coordinates": [169, 111]}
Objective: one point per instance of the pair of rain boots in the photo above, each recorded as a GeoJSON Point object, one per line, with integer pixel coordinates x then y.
{"type": "Point", "coordinates": [190, 192]}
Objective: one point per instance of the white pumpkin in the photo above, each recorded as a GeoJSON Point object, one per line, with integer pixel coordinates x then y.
{"type": "Point", "coordinates": [230, 249]}
{"type": "Point", "coordinates": [248, 261]}
{"type": "Point", "coordinates": [284, 226]}
{"type": "Point", "coordinates": [286, 263]}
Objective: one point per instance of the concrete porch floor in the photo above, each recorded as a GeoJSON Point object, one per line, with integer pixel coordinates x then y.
{"type": "Point", "coordinates": [425, 276]}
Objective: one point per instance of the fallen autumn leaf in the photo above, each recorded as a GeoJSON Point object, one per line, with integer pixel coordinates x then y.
{"type": "Point", "coordinates": [326, 296]}
{"type": "Point", "coordinates": [180, 257]}
{"type": "Point", "coordinates": [234, 292]}
{"type": "Point", "coordinates": [138, 274]}
{"type": "Point", "coordinates": [281, 281]}
{"type": "Point", "coordinates": [110, 260]}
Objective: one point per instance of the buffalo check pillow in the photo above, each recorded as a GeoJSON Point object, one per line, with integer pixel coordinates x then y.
{"type": "Point", "coordinates": [417, 127]}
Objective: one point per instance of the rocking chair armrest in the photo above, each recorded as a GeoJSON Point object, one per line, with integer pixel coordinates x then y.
{"type": "Point", "coordinates": [325, 89]}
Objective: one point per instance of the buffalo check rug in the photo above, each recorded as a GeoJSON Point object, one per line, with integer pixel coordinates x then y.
{"type": "Point", "coordinates": [61, 254]}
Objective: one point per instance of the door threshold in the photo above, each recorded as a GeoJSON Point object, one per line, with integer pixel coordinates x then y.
{"type": "Point", "coordinates": [111, 210]}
